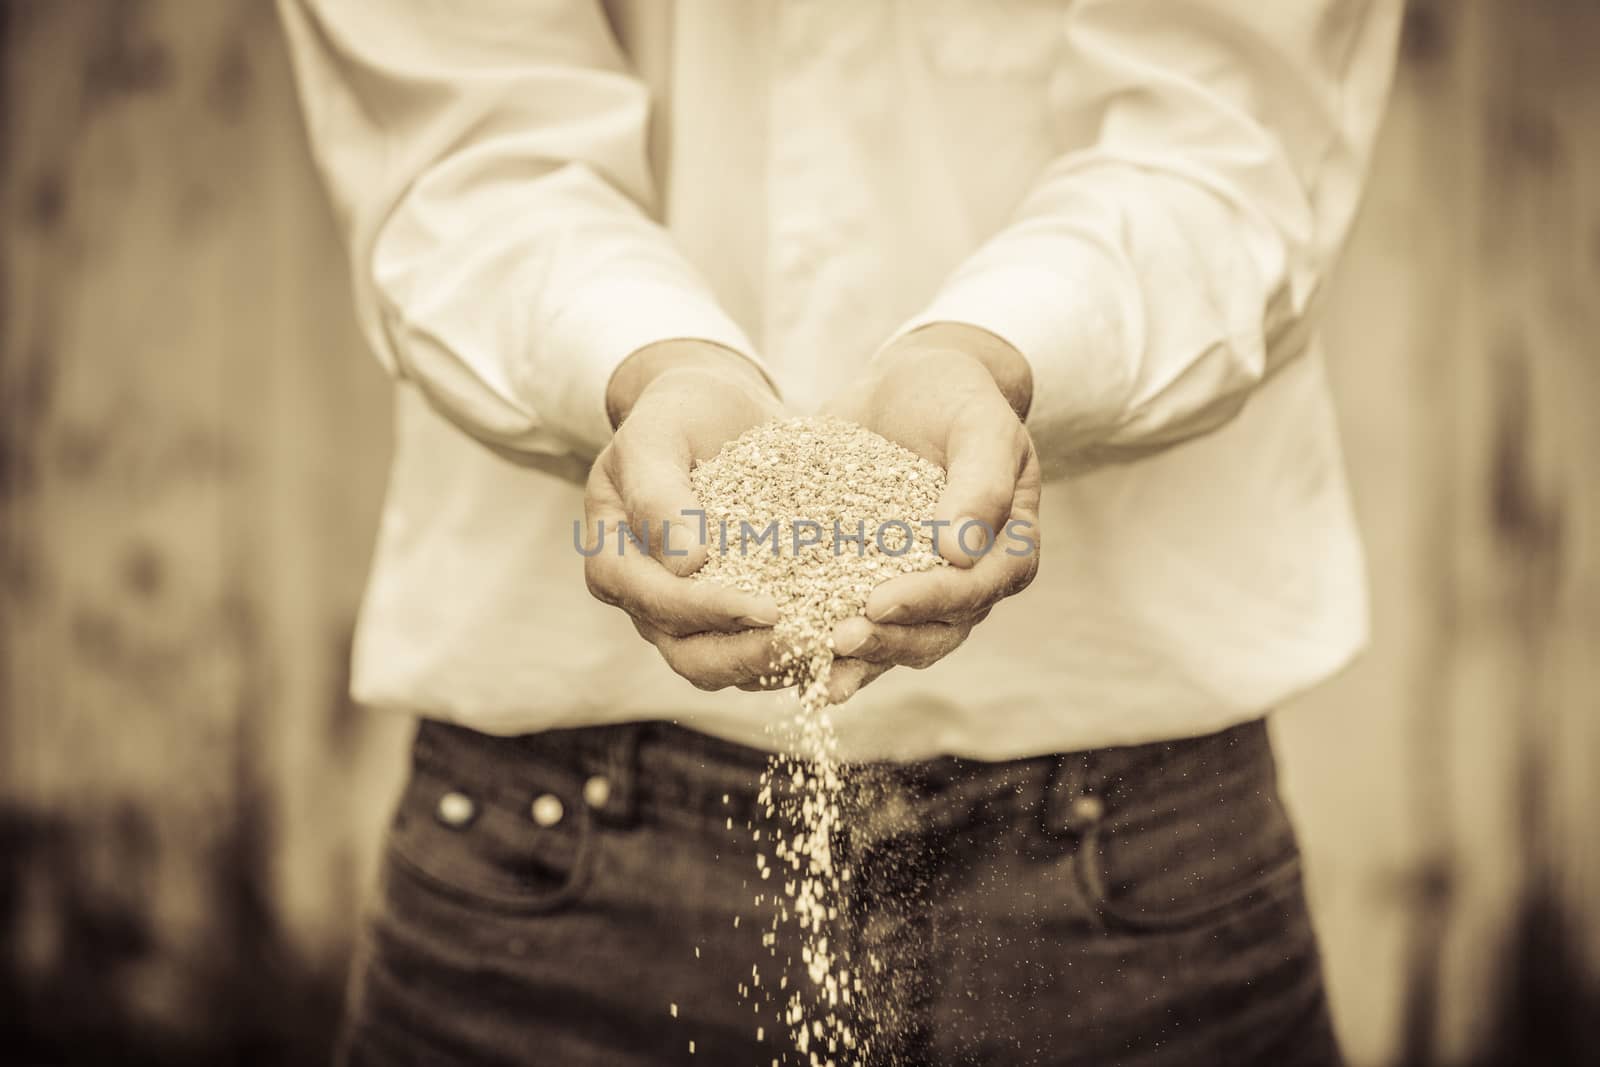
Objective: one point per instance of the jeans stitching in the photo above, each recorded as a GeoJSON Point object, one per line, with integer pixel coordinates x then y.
{"type": "Point", "coordinates": [573, 881]}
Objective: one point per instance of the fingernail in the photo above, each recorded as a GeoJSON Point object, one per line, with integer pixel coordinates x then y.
{"type": "Point", "coordinates": [976, 538]}
{"type": "Point", "coordinates": [891, 614]}
{"type": "Point", "coordinates": [759, 620]}
{"type": "Point", "coordinates": [848, 647]}
{"type": "Point", "coordinates": [854, 638]}
{"type": "Point", "coordinates": [682, 566]}
{"type": "Point", "coordinates": [839, 692]}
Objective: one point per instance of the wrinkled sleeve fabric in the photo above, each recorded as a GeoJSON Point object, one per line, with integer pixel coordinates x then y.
{"type": "Point", "coordinates": [487, 163]}
{"type": "Point", "coordinates": [1155, 277]}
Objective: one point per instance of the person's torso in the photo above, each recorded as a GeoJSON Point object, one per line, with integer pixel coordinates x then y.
{"type": "Point", "coordinates": [826, 165]}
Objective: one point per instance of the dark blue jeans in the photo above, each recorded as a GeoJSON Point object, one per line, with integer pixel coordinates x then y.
{"type": "Point", "coordinates": [581, 899]}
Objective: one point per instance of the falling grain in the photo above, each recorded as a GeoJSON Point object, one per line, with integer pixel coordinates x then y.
{"type": "Point", "coordinates": [816, 513]}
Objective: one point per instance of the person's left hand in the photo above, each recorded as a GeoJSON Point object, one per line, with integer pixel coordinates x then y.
{"type": "Point", "coordinates": [955, 395]}
{"type": "Point", "coordinates": [675, 403]}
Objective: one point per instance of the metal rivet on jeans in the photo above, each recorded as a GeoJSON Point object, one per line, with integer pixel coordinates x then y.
{"type": "Point", "coordinates": [1086, 811]}
{"type": "Point", "coordinates": [547, 810]}
{"type": "Point", "coordinates": [456, 809]}
{"type": "Point", "coordinates": [597, 791]}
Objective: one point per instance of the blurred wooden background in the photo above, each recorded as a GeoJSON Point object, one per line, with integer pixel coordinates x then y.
{"type": "Point", "coordinates": [192, 448]}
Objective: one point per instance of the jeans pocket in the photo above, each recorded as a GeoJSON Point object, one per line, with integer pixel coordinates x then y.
{"type": "Point", "coordinates": [491, 848]}
{"type": "Point", "coordinates": [1195, 843]}
{"type": "Point", "coordinates": [1177, 900]}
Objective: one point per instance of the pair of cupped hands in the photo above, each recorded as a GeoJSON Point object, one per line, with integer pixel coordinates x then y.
{"type": "Point", "coordinates": [951, 393]}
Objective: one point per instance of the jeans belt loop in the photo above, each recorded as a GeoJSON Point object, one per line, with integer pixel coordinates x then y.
{"type": "Point", "coordinates": [622, 768]}
{"type": "Point", "coordinates": [1065, 811]}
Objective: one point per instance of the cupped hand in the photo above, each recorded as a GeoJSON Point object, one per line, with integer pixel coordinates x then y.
{"type": "Point", "coordinates": [954, 395]}
{"type": "Point", "coordinates": [674, 404]}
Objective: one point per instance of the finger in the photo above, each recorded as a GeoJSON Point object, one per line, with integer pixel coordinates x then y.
{"type": "Point", "coordinates": [619, 574]}
{"type": "Point", "coordinates": [681, 607]}
{"type": "Point", "coordinates": [849, 676]}
{"type": "Point", "coordinates": [956, 595]}
{"type": "Point", "coordinates": [717, 661]}
{"type": "Point", "coordinates": [601, 504]}
{"type": "Point", "coordinates": [950, 594]}
{"type": "Point", "coordinates": [651, 472]}
{"type": "Point", "coordinates": [889, 644]}
{"type": "Point", "coordinates": [768, 684]}
{"type": "Point", "coordinates": [985, 454]}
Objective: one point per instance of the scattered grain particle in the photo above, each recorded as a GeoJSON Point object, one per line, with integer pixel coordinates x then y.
{"type": "Point", "coordinates": [842, 478]}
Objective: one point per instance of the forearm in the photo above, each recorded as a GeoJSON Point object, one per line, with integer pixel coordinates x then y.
{"type": "Point", "coordinates": [496, 198]}
{"type": "Point", "coordinates": [1153, 279]}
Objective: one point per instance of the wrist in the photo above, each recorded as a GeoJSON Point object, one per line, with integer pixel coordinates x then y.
{"type": "Point", "coordinates": [650, 363]}
{"type": "Point", "coordinates": [1009, 369]}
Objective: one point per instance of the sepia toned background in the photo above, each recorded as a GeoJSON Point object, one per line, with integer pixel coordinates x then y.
{"type": "Point", "coordinates": [192, 453]}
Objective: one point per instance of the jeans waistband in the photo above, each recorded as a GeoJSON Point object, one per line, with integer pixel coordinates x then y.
{"type": "Point", "coordinates": [657, 766]}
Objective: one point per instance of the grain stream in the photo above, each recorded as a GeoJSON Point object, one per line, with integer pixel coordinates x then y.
{"type": "Point", "coordinates": [815, 512]}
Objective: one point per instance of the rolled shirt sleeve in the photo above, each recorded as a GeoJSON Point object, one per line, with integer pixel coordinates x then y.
{"type": "Point", "coordinates": [487, 163]}
{"type": "Point", "coordinates": [1155, 277]}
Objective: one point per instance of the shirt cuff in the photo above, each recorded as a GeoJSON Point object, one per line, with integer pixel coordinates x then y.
{"type": "Point", "coordinates": [1079, 330]}
{"type": "Point", "coordinates": [581, 347]}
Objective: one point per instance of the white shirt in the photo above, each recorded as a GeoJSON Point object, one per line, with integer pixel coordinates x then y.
{"type": "Point", "coordinates": [1142, 197]}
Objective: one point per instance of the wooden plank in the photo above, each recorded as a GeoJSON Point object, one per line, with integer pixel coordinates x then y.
{"type": "Point", "coordinates": [1465, 363]}
{"type": "Point", "coordinates": [1361, 764]}
{"type": "Point", "coordinates": [1528, 572]}
{"type": "Point", "coordinates": [194, 445]}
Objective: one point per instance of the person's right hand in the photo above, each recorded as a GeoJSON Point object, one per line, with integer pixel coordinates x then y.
{"type": "Point", "coordinates": [673, 404]}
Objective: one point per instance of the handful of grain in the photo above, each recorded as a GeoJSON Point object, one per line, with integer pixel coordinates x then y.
{"type": "Point", "coordinates": [814, 512]}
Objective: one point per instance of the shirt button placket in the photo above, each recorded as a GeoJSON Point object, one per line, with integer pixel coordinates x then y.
{"type": "Point", "coordinates": [815, 204]}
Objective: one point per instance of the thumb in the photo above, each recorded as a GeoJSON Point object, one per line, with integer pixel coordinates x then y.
{"type": "Point", "coordinates": [662, 510]}
{"type": "Point", "coordinates": [980, 482]}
